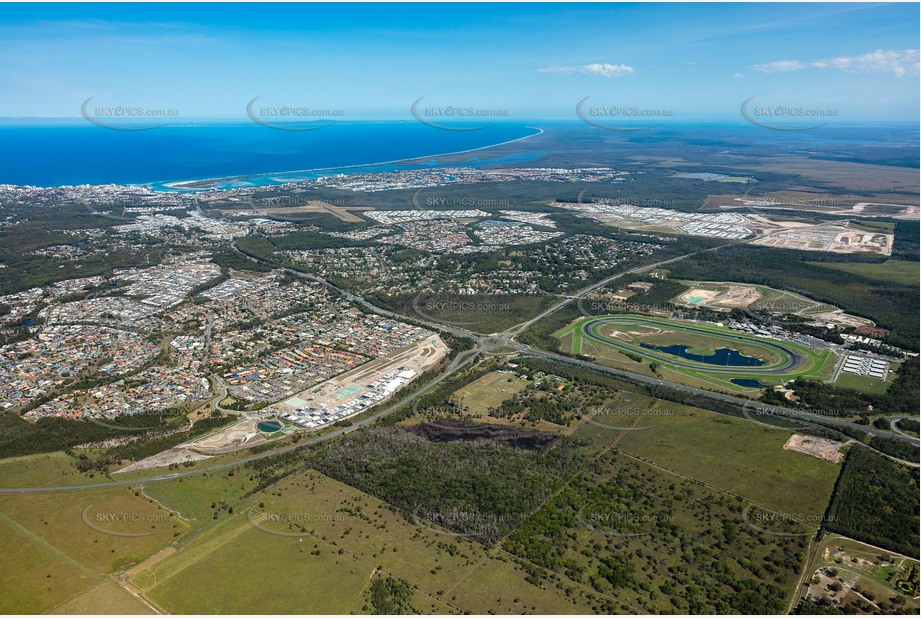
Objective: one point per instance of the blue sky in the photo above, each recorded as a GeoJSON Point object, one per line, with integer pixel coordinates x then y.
{"type": "Point", "coordinates": [535, 61]}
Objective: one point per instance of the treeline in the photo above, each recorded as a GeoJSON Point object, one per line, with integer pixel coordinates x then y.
{"type": "Point", "coordinates": [312, 240]}
{"type": "Point", "coordinates": [900, 449]}
{"type": "Point", "coordinates": [146, 448]}
{"type": "Point", "coordinates": [583, 377]}
{"type": "Point", "coordinates": [901, 397]}
{"type": "Point", "coordinates": [25, 270]}
{"type": "Point", "coordinates": [227, 258]}
{"type": "Point", "coordinates": [19, 437]}
{"type": "Point", "coordinates": [876, 501]}
{"type": "Point", "coordinates": [207, 285]}
{"type": "Point", "coordinates": [659, 295]}
{"type": "Point", "coordinates": [14, 335]}
{"type": "Point", "coordinates": [823, 398]}
{"type": "Point", "coordinates": [540, 335]}
{"type": "Point", "coordinates": [909, 424]}
{"type": "Point", "coordinates": [893, 306]}
{"type": "Point", "coordinates": [478, 487]}
{"type": "Point", "coordinates": [905, 245]}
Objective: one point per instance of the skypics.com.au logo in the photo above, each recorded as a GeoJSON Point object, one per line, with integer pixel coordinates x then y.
{"type": "Point", "coordinates": [455, 117]}
{"type": "Point", "coordinates": [105, 522]}
{"type": "Point", "coordinates": [292, 117]}
{"type": "Point", "coordinates": [126, 117]}
{"type": "Point", "coordinates": [620, 117]}
{"type": "Point", "coordinates": [469, 522]}
{"type": "Point", "coordinates": [784, 117]}
{"type": "Point", "coordinates": [270, 522]}
{"type": "Point", "coordinates": [626, 524]}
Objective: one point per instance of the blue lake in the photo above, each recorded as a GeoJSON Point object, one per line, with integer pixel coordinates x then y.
{"type": "Point", "coordinates": [747, 383]}
{"type": "Point", "coordinates": [725, 357]}
{"type": "Point", "coordinates": [705, 176]}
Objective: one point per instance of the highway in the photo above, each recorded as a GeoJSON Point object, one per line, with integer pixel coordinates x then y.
{"type": "Point", "coordinates": [505, 339]}
{"type": "Point", "coordinates": [485, 344]}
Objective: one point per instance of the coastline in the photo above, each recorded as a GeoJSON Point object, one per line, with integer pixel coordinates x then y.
{"type": "Point", "coordinates": [183, 185]}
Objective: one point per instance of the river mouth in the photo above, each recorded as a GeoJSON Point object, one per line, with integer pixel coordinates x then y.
{"type": "Point", "coordinates": [724, 357]}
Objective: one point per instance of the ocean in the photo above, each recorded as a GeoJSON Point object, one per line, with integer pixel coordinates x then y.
{"type": "Point", "coordinates": [49, 155]}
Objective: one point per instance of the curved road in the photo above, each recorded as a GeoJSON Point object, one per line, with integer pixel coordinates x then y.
{"type": "Point", "coordinates": [756, 407]}
{"type": "Point", "coordinates": [459, 361]}
{"type": "Point", "coordinates": [484, 344]}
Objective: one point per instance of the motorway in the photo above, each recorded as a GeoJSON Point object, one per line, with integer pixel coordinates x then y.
{"type": "Point", "coordinates": [484, 344]}
{"type": "Point", "coordinates": [506, 339]}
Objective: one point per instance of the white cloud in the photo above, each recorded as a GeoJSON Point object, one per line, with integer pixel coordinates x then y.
{"type": "Point", "coordinates": [557, 69]}
{"type": "Point", "coordinates": [898, 62]}
{"type": "Point", "coordinates": [738, 75]}
{"type": "Point", "coordinates": [780, 66]}
{"type": "Point", "coordinates": [605, 70]}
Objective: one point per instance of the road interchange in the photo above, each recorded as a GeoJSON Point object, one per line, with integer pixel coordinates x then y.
{"type": "Point", "coordinates": [484, 344]}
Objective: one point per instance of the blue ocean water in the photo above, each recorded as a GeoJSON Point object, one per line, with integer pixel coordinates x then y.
{"type": "Point", "coordinates": [70, 154]}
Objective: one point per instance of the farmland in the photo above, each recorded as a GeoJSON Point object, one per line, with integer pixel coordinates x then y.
{"type": "Point", "coordinates": [61, 545]}
{"type": "Point", "coordinates": [729, 453]}
{"type": "Point", "coordinates": [316, 534]}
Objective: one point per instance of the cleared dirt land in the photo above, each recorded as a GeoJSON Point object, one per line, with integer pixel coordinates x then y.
{"type": "Point", "coordinates": [490, 391]}
{"type": "Point", "coordinates": [349, 386]}
{"type": "Point", "coordinates": [311, 206]}
{"type": "Point", "coordinates": [829, 450]}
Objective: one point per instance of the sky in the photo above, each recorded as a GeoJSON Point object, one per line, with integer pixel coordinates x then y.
{"type": "Point", "coordinates": [535, 61]}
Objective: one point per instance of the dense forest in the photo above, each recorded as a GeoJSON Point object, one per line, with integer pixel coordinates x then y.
{"type": "Point", "coordinates": [654, 544]}
{"type": "Point", "coordinates": [876, 501]}
{"type": "Point", "coordinates": [907, 241]}
{"type": "Point", "coordinates": [478, 487]}
{"type": "Point", "coordinates": [893, 306]}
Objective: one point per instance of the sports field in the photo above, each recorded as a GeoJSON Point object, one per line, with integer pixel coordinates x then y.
{"type": "Point", "coordinates": [698, 353]}
{"type": "Point", "coordinates": [865, 384]}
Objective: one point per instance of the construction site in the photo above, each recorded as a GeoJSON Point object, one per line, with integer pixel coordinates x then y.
{"type": "Point", "coordinates": [355, 391]}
